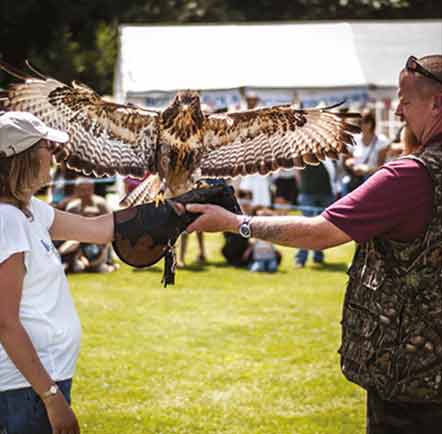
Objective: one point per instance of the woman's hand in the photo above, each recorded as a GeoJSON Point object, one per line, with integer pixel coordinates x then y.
{"type": "Point", "coordinates": [213, 219]}
{"type": "Point", "coordinates": [61, 416]}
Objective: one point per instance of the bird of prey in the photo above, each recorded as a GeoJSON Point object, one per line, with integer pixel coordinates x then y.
{"type": "Point", "coordinates": [181, 143]}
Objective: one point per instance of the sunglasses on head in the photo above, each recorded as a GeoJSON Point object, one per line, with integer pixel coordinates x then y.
{"type": "Point", "coordinates": [413, 65]}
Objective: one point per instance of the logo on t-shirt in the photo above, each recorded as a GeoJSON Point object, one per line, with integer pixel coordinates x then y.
{"type": "Point", "coordinates": [46, 245]}
{"type": "Point", "coordinates": [49, 247]}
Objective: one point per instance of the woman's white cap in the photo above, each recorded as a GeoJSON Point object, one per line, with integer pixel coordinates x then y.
{"type": "Point", "coordinates": [21, 130]}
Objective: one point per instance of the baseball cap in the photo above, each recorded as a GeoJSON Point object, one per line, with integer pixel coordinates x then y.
{"type": "Point", "coordinates": [21, 130]}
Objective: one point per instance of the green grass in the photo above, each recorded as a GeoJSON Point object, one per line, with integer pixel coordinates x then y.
{"type": "Point", "coordinates": [223, 351]}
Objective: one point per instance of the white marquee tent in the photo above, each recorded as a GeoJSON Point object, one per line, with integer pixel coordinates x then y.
{"type": "Point", "coordinates": [312, 59]}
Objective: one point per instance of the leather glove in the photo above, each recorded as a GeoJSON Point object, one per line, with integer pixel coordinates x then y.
{"type": "Point", "coordinates": [145, 233]}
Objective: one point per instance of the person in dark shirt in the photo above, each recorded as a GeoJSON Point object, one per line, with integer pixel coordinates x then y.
{"type": "Point", "coordinates": [237, 250]}
{"type": "Point", "coordinates": [315, 194]}
{"type": "Point", "coordinates": [391, 334]}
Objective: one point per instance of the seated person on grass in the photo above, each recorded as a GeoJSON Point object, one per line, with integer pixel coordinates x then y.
{"type": "Point", "coordinates": [77, 256]}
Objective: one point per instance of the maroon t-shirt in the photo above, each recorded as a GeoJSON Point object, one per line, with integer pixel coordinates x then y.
{"type": "Point", "coordinates": [394, 203]}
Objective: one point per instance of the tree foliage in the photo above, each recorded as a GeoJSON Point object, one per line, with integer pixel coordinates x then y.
{"type": "Point", "coordinates": [68, 39]}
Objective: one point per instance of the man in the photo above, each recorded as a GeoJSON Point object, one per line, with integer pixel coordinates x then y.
{"type": "Point", "coordinates": [392, 317]}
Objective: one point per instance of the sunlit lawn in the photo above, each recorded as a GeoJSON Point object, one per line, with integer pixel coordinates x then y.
{"type": "Point", "coordinates": [222, 351]}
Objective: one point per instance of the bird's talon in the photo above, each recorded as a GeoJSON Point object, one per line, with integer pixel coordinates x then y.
{"type": "Point", "coordinates": [202, 184]}
{"type": "Point", "coordinates": [160, 199]}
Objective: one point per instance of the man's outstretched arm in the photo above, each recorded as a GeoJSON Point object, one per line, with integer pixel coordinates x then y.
{"type": "Point", "coordinates": [314, 233]}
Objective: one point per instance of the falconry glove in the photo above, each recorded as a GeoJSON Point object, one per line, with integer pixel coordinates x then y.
{"type": "Point", "coordinates": [144, 234]}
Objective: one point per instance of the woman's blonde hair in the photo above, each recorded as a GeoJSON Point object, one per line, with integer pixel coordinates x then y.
{"type": "Point", "coordinates": [18, 177]}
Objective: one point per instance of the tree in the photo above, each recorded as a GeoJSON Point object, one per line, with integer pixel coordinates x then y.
{"type": "Point", "coordinates": [68, 39]}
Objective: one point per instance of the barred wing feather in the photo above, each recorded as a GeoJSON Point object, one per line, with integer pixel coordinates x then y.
{"type": "Point", "coordinates": [105, 138]}
{"type": "Point", "coordinates": [263, 140]}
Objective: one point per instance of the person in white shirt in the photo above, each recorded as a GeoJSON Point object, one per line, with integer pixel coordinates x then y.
{"type": "Point", "coordinates": [367, 153]}
{"type": "Point", "coordinates": [259, 186]}
{"type": "Point", "coordinates": [39, 326]}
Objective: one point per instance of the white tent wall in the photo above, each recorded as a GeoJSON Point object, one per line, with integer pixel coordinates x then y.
{"type": "Point", "coordinates": [281, 63]}
{"type": "Point", "coordinates": [383, 47]}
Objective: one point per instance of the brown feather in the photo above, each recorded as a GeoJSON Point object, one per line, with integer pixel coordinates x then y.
{"type": "Point", "coordinates": [108, 138]}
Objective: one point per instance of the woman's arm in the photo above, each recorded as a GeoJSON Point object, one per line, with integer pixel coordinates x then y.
{"type": "Point", "coordinates": [17, 344]}
{"type": "Point", "coordinates": [13, 336]}
{"type": "Point", "coordinates": [67, 226]}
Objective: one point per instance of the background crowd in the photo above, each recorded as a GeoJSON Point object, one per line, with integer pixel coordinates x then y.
{"type": "Point", "coordinates": [308, 191]}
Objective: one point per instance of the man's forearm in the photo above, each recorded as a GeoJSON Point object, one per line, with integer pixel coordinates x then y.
{"type": "Point", "coordinates": [288, 231]}
{"type": "Point", "coordinates": [305, 232]}
{"type": "Point", "coordinates": [302, 232]}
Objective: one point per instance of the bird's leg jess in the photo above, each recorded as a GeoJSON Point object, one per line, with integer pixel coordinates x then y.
{"type": "Point", "coordinates": [160, 196]}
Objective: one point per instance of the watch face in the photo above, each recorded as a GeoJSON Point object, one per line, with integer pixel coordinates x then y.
{"type": "Point", "coordinates": [244, 230]}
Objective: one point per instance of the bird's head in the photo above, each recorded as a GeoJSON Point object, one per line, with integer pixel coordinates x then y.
{"type": "Point", "coordinates": [188, 100]}
{"type": "Point", "coordinates": [185, 107]}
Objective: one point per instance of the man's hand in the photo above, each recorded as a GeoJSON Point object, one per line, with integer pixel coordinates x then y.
{"type": "Point", "coordinates": [213, 219]}
{"type": "Point", "coordinates": [61, 416]}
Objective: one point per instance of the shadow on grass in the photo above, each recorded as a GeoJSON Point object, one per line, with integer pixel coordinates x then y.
{"type": "Point", "coordinates": [159, 267]}
{"type": "Point", "coordinates": [156, 269]}
{"type": "Point", "coordinates": [224, 264]}
{"type": "Point", "coordinates": [336, 267]}
{"type": "Point", "coordinates": [195, 267]}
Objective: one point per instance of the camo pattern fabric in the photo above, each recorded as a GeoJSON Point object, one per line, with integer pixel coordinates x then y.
{"type": "Point", "coordinates": [392, 315]}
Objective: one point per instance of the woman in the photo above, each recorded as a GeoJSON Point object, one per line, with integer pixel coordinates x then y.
{"type": "Point", "coordinates": [366, 154]}
{"type": "Point", "coordinates": [39, 327]}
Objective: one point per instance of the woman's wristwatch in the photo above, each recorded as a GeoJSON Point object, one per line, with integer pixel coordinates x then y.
{"type": "Point", "coordinates": [245, 228]}
{"type": "Point", "coordinates": [52, 391]}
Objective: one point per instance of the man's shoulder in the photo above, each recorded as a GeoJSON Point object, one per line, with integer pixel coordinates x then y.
{"type": "Point", "coordinates": [397, 177]}
{"type": "Point", "coordinates": [407, 164]}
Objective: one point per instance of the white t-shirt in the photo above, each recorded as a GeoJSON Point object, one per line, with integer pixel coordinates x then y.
{"type": "Point", "coordinates": [259, 185]}
{"type": "Point", "coordinates": [368, 155]}
{"type": "Point", "coordinates": [47, 311]}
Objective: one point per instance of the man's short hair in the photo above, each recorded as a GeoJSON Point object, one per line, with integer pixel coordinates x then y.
{"type": "Point", "coordinates": [433, 64]}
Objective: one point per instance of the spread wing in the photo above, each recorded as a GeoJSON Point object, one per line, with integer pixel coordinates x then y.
{"type": "Point", "coordinates": [263, 140]}
{"type": "Point", "coordinates": [105, 138]}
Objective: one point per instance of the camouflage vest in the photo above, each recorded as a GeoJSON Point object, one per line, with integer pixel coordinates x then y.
{"type": "Point", "coordinates": [392, 317]}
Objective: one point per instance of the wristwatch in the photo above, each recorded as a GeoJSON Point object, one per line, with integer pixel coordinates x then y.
{"type": "Point", "coordinates": [245, 230]}
{"type": "Point", "coordinates": [52, 391]}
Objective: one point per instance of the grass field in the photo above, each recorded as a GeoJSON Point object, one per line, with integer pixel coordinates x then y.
{"type": "Point", "coordinates": [222, 351]}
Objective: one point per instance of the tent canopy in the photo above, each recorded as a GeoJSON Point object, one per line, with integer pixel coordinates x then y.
{"type": "Point", "coordinates": [299, 55]}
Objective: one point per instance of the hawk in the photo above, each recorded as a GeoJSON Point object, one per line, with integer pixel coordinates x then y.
{"type": "Point", "coordinates": [181, 143]}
